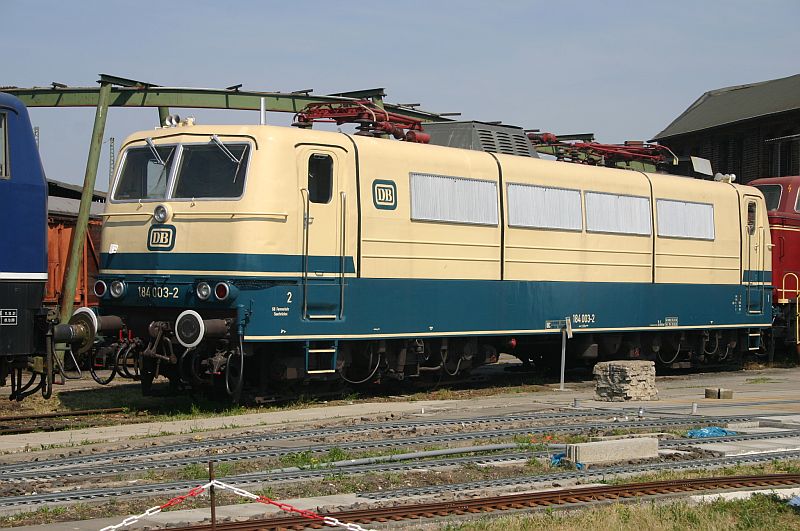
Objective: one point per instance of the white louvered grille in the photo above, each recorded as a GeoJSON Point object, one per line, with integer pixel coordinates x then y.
{"type": "Point", "coordinates": [682, 219]}
{"type": "Point", "coordinates": [453, 199]}
{"type": "Point", "coordinates": [544, 207]}
{"type": "Point", "coordinates": [621, 214]}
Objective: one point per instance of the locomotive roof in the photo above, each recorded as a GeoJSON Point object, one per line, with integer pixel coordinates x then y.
{"type": "Point", "coordinates": [11, 102]}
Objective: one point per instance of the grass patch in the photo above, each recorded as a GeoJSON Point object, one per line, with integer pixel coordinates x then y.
{"type": "Point", "coordinates": [761, 380]}
{"type": "Point", "coordinates": [758, 512]}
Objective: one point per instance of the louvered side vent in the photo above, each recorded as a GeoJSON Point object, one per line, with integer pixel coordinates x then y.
{"type": "Point", "coordinates": [480, 136]}
{"type": "Point", "coordinates": [487, 140]}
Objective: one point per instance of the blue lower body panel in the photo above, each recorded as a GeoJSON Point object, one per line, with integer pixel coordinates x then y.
{"type": "Point", "coordinates": [387, 308]}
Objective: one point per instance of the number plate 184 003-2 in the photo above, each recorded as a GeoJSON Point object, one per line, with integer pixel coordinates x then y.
{"type": "Point", "coordinates": [158, 292]}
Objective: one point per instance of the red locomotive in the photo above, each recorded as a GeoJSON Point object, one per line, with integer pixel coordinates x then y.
{"type": "Point", "coordinates": [783, 205]}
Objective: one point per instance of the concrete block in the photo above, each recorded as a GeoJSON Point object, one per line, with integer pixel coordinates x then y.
{"type": "Point", "coordinates": [612, 451]}
{"type": "Point", "coordinates": [719, 392]}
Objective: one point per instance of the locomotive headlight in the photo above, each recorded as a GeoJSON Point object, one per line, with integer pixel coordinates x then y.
{"type": "Point", "coordinates": [117, 289]}
{"type": "Point", "coordinates": [203, 291]}
{"type": "Point", "coordinates": [100, 289]}
{"type": "Point", "coordinates": [161, 213]}
{"type": "Point", "coordinates": [222, 291]}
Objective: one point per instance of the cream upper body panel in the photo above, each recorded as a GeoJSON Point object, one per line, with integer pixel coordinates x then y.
{"type": "Point", "coordinates": [394, 245]}
{"type": "Point", "coordinates": [579, 253]}
{"type": "Point", "coordinates": [707, 257]}
{"type": "Point", "coordinates": [268, 217]}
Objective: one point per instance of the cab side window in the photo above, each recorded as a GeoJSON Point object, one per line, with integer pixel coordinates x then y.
{"type": "Point", "coordinates": [320, 178]}
{"type": "Point", "coordinates": [5, 171]}
{"type": "Point", "coordinates": [751, 218]}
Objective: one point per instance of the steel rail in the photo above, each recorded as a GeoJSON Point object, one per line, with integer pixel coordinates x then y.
{"type": "Point", "coordinates": [164, 464]}
{"type": "Point", "coordinates": [592, 474]}
{"type": "Point", "coordinates": [257, 478]}
{"type": "Point", "coordinates": [570, 497]}
{"type": "Point", "coordinates": [217, 443]}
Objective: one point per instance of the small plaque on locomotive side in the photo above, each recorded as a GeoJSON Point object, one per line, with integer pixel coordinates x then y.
{"type": "Point", "coordinates": [8, 317]}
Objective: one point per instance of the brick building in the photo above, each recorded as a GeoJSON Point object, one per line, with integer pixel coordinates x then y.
{"type": "Point", "coordinates": [750, 130]}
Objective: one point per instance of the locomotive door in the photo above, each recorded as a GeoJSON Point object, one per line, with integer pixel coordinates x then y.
{"type": "Point", "coordinates": [323, 208]}
{"type": "Point", "coordinates": [753, 249]}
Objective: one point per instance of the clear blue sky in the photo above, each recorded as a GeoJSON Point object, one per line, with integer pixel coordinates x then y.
{"type": "Point", "coordinates": [620, 69]}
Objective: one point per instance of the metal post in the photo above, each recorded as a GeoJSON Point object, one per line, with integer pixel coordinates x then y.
{"type": "Point", "coordinates": [566, 332]}
{"type": "Point", "coordinates": [163, 112]}
{"type": "Point", "coordinates": [79, 234]}
{"type": "Point", "coordinates": [563, 356]}
{"type": "Point", "coordinates": [263, 112]}
{"type": "Point", "coordinates": [694, 408]}
{"type": "Point", "coordinates": [212, 495]}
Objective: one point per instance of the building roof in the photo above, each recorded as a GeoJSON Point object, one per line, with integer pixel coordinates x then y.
{"type": "Point", "coordinates": [64, 206]}
{"type": "Point", "coordinates": [72, 191]}
{"type": "Point", "coordinates": [735, 104]}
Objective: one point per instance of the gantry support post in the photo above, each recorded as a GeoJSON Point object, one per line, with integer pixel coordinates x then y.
{"type": "Point", "coordinates": [79, 234]}
{"type": "Point", "coordinates": [163, 112]}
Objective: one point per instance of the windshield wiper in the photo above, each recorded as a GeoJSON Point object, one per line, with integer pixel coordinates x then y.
{"type": "Point", "coordinates": [154, 151]}
{"type": "Point", "coordinates": [231, 156]}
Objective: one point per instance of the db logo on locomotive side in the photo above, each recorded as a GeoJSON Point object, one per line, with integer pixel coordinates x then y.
{"type": "Point", "coordinates": [384, 194]}
{"type": "Point", "coordinates": [161, 238]}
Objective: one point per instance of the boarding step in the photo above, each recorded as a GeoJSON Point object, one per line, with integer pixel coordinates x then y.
{"type": "Point", "coordinates": [321, 356]}
{"type": "Point", "coordinates": [753, 340]}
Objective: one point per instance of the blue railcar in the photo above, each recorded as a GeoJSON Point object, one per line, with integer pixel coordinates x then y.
{"type": "Point", "coordinates": [23, 247]}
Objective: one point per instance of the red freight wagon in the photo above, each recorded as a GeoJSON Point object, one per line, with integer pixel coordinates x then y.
{"type": "Point", "coordinates": [783, 205]}
{"type": "Point", "coordinates": [62, 206]}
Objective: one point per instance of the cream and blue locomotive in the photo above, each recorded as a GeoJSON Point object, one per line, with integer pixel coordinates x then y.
{"type": "Point", "coordinates": [269, 258]}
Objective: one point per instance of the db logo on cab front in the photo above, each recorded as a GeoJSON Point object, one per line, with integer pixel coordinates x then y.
{"type": "Point", "coordinates": [161, 238]}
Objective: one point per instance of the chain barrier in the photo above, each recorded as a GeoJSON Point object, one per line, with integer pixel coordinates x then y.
{"type": "Point", "coordinates": [177, 500]}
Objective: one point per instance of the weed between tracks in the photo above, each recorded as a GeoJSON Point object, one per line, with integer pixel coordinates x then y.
{"type": "Point", "coordinates": [758, 512]}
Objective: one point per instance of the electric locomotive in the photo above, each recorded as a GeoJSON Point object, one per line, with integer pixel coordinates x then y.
{"type": "Point", "coordinates": [273, 259]}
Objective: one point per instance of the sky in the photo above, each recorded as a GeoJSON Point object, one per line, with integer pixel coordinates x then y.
{"type": "Point", "coordinates": [622, 70]}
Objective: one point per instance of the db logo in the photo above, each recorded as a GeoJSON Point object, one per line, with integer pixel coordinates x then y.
{"type": "Point", "coordinates": [161, 238]}
{"type": "Point", "coordinates": [384, 194]}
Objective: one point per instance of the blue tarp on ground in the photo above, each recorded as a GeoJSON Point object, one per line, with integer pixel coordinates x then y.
{"type": "Point", "coordinates": [711, 431]}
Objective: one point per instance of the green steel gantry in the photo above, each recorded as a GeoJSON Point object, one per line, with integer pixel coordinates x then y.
{"type": "Point", "coordinates": [121, 92]}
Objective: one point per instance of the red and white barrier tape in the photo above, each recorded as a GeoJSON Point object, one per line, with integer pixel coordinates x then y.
{"type": "Point", "coordinates": [177, 500]}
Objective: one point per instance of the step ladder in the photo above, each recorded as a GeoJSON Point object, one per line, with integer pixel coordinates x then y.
{"type": "Point", "coordinates": [321, 356]}
{"type": "Point", "coordinates": [753, 339]}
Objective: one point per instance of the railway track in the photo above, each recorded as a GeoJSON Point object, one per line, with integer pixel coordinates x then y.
{"type": "Point", "coordinates": [515, 502]}
{"type": "Point", "coordinates": [107, 462]}
{"type": "Point", "coordinates": [50, 421]}
{"type": "Point", "coordinates": [170, 463]}
{"type": "Point", "coordinates": [258, 478]}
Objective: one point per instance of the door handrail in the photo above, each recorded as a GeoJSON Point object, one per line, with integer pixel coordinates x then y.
{"type": "Point", "coordinates": [342, 251]}
{"type": "Point", "coordinates": [306, 211]}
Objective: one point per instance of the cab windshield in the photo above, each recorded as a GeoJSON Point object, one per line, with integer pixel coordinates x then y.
{"type": "Point", "coordinates": [213, 169]}
{"type": "Point", "coordinates": [145, 175]}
